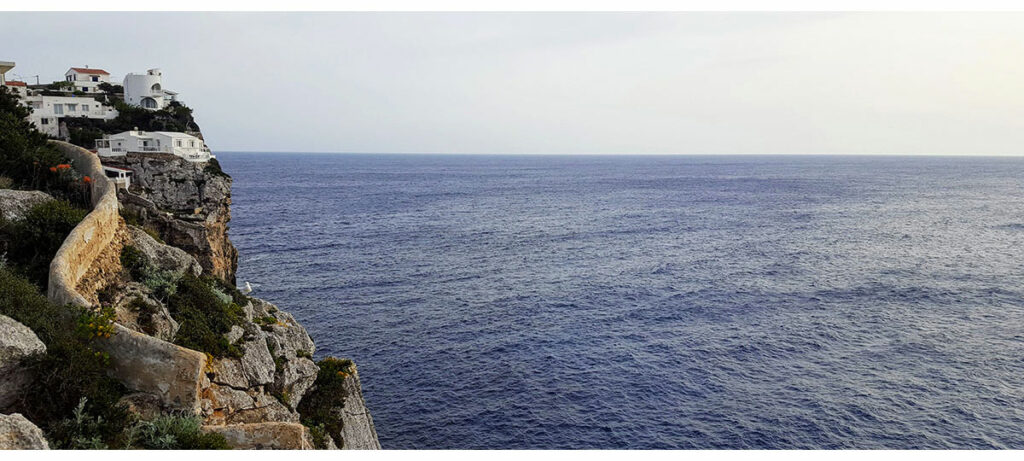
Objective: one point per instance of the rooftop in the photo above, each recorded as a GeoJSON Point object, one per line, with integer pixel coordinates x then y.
{"type": "Point", "coordinates": [86, 70]}
{"type": "Point", "coordinates": [15, 83]}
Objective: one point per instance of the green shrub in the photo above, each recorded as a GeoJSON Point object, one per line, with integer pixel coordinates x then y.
{"type": "Point", "coordinates": [162, 283]}
{"type": "Point", "coordinates": [176, 432]}
{"type": "Point", "coordinates": [203, 317]}
{"type": "Point", "coordinates": [32, 242]}
{"type": "Point", "coordinates": [71, 369]}
{"type": "Point", "coordinates": [328, 393]}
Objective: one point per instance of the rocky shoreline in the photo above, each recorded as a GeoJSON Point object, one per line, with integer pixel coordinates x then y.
{"type": "Point", "coordinates": [245, 370]}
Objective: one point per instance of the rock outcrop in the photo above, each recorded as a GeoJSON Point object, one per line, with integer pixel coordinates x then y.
{"type": "Point", "coordinates": [357, 430]}
{"type": "Point", "coordinates": [18, 433]}
{"type": "Point", "coordinates": [17, 343]}
{"type": "Point", "coordinates": [15, 203]}
{"type": "Point", "coordinates": [187, 204]}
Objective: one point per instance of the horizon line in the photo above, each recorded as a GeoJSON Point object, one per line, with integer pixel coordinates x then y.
{"type": "Point", "coordinates": [758, 154]}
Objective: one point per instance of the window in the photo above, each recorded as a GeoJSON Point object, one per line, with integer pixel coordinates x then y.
{"type": "Point", "coordinates": [177, 142]}
{"type": "Point", "coordinates": [58, 109]}
{"type": "Point", "coordinates": [95, 78]}
{"type": "Point", "coordinates": [191, 144]}
{"type": "Point", "coordinates": [71, 78]}
{"type": "Point", "coordinates": [45, 121]}
{"type": "Point", "coordinates": [71, 107]}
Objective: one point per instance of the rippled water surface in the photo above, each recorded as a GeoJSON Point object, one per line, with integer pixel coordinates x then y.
{"type": "Point", "coordinates": [654, 302]}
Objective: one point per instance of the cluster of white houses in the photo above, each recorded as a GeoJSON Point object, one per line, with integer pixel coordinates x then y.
{"type": "Point", "coordinates": [75, 99]}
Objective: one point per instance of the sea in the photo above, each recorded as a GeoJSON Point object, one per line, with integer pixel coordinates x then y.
{"type": "Point", "coordinates": [650, 302]}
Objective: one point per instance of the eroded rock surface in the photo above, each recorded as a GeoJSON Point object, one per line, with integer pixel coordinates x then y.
{"type": "Point", "coordinates": [17, 343]}
{"type": "Point", "coordinates": [15, 203]}
{"type": "Point", "coordinates": [280, 436]}
{"type": "Point", "coordinates": [18, 433]}
{"type": "Point", "coordinates": [187, 203]}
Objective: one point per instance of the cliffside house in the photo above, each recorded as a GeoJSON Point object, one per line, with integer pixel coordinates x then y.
{"type": "Point", "coordinates": [87, 80]}
{"type": "Point", "coordinates": [146, 90]}
{"type": "Point", "coordinates": [121, 177]}
{"type": "Point", "coordinates": [48, 110]}
{"type": "Point", "coordinates": [183, 145]}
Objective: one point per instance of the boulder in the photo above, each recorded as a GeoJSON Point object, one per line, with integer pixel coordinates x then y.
{"type": "Point", "coordinates": [17, 343]}
{"type": "Point", "coordinates": [146, 364]}
{"type": "Point", "coordinates": [18, 433]}
{"type": "Point", "coordinates": [280, 436]}
{"type": "Point", "coordinates": [15, 203]}
{"type": "Point", "coordinates": [164, 256]}
{"type": "Point", "coordinates": [137, 310]}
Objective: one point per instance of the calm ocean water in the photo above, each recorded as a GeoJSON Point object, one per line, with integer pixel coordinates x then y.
{"type": "Point", "coordinates": [654, 302]}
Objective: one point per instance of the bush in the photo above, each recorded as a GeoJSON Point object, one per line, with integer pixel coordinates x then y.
{"type": "Point", "coordinates": [71, 373]}
{"type": "Point", "coordinates": [176, 432]}
{"type": "Point", "coordinates": [25, 155]}
{"type": "Point", "coordinates": [203, 317]}
{"type": "Point", "coordinates": [317, 407]}
{"type": "Point", "coordinates": [161, 282]}
{"type": "Point", "coordinates": [32, 242]}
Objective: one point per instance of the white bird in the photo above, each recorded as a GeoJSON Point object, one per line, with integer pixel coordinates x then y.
{"type": "Point", "coordinates": [247, 289]}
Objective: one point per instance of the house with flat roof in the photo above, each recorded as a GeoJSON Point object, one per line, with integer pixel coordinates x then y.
{"type": "Point", "coordinates": [4, 67]}
{"type": "Point", "coordinates": [183, 145]}
{"type": "Point", "coordinates": [48, 110]}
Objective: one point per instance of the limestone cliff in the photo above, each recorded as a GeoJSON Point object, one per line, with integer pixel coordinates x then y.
{"type": "Point", "coordinates": [186, 203]}
{"type": "Point", "coordinates": [250, 396]}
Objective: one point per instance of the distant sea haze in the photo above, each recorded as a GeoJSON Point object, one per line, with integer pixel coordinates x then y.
{"type": "Point", "coordinates": [654, 302]}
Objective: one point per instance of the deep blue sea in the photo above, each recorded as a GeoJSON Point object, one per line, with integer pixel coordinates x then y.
{"type": "Point", "coordinates": [653, 302]}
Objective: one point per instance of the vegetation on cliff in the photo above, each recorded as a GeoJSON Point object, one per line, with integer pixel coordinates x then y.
{"type": "Point", "coordinates": [84, 131]}
{"type": "Point", "coordinates": [31, 243]}
{"type": "Point", "coordinates": [318, 407]}
{"type": "Point", "coordinates": [27, 161]}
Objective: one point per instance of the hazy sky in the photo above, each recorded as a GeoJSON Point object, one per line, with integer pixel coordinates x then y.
{"type": "Point", "coordinates": [562, 83]}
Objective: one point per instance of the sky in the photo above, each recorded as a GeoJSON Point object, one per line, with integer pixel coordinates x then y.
{"type": "Point", "coordinates": [562, 83]}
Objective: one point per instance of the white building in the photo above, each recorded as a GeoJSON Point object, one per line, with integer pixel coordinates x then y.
{"type": "Point", "coordinates": [146, 90]}
{"type": "Point", "coordinates": [168, 142]}
{"type": "Point", "coordinates": [87, 80]}
{"type": "Point", "coordinates": [122, 178]}
{"type": "Point", "coordinates": [48, 110]}
{"type": "Point", "coordinates": [18, 88]}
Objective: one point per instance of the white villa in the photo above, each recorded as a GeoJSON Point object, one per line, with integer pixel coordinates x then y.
{"type": "Point", "coordinates": [146, 91]}
{"type": "Point", "coordinates": [87, 80]}
{"type": "Point", "coordinates": [48, 110]}
{"type": "Point", "coordinates": [183, 145]}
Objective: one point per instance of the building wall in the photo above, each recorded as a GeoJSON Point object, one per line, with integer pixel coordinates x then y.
{"type": "Point", "coordinates": [45, 117]}
{"type": "Point", "coordinates": [83, 82]}
{"type": "Point", "coordinates": [139, 86]}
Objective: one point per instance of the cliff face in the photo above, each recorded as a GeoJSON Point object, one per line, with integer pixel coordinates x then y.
{"type": "Point", "coordinates": [252, 393]}
{"type": "Point", "coordinates": [187, 204]}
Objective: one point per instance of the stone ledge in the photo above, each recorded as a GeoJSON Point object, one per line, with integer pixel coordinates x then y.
{"type": "Point", "coordinates": [262, 436]}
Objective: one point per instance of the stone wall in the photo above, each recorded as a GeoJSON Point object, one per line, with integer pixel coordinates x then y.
{"type": "Point", "coordinates": [86, 241]}
{"type": "Point", "coordinates": [141, 362]}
